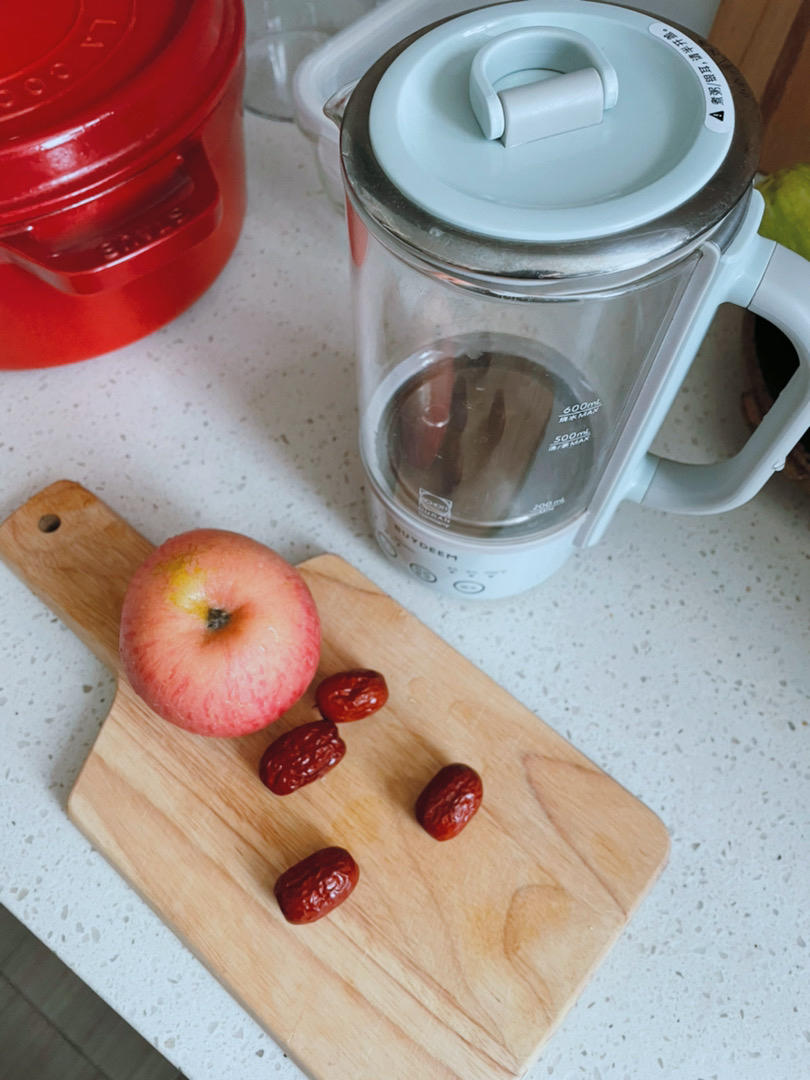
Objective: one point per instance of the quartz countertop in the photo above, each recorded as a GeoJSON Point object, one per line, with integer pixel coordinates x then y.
{"type": "Point", "coordinates": [675, 654]}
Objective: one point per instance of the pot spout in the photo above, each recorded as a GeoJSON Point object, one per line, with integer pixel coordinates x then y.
{"type": "Point", "coordinates": [336, 105]}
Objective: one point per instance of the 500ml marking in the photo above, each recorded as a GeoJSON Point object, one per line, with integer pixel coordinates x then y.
{"type": "Point", "coordinates": [569, 439]}
{"type": "Point", "coordinates": [581, 409]}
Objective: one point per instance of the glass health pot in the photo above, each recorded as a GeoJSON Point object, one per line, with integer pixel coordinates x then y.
{"type": "Point", "coordinates": [547, 202]}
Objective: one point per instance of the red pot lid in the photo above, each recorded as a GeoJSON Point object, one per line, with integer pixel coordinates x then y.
{"type": "Point", "coordinates": [92, 89]}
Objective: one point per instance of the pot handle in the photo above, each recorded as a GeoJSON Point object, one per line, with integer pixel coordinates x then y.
{"type": "Point", "coordinates": [753, 273]}
{"type": "Point", "coordinates": [184, 210]}
{"type": "Point", "coordinates": [782, 296]}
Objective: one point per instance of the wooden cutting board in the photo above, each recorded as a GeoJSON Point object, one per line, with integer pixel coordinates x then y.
{"type": "Point", "coordinates": [450, 961]}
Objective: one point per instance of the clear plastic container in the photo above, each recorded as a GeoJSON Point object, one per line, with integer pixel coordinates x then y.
{"type": "Point", "coordinates": [280, 34]}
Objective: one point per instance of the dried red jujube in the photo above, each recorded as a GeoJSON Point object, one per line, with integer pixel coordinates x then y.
{"type": "Point", "coordinates": [449, 800]}
{"type": "Point", "coordinates": [351, 695]}
{"type": "Point", "coordinates": [300, 756]}
{"type": "Point", "coordinates": [316, 885]}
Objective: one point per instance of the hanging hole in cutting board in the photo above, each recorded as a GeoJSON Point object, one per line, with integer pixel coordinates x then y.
{"type": "Point", "coordinates": [49, 523]}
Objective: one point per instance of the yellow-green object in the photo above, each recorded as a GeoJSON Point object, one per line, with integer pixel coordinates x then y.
{"type": "Point", "coordinates": [787, 208]}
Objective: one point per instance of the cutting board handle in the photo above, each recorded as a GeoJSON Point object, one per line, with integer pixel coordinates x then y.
{"type": "Point", "coordinates": [77, 555]}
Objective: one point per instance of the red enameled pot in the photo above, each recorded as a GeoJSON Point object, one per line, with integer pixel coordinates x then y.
{"type": "Point", "coordinates": [122, 175]}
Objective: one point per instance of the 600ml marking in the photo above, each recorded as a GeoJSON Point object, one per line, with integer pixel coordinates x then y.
{"type": "Point", "coordinates": [578, 411]}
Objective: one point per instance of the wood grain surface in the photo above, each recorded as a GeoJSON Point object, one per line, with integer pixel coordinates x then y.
{"type": "Point", "coordinates": [769, 42]}
{"type": "Point", "coordinates": [450, 961]}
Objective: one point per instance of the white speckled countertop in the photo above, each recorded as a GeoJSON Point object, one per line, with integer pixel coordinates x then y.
{"type": "Point", "coordinates": [676, 654]}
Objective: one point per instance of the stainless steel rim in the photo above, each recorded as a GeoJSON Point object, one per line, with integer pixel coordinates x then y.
{"type": "Point", "coordinates": [490, 264]}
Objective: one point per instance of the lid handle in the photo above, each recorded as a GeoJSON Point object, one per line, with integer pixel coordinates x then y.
{"type": "Point", "coordinates": [582, 85]}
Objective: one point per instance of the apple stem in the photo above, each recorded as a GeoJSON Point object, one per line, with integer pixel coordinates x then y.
{"type": "Point", "coordinates": [217, 618]}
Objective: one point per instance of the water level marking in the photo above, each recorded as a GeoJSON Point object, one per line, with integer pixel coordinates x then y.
{"type": "Point", "coordinates": [569, 439]}
{"type": "Point", "coordinates": [581, 409]}
{"type": "Point", "coordinates": [547, 506]}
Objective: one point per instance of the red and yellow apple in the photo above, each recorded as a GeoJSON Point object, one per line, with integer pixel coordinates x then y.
{"type": "Point", "coordinates": [219, 634]}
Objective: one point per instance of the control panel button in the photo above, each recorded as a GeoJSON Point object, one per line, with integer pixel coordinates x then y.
{"type": "Point", "coordinates": [422, 573]}
{"type": "Point", "coordinates": [469, 588]}
{"type": "Point", "coordinates": [386, 544]}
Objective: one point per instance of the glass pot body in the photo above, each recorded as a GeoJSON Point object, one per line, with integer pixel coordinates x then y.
{"type": "Point", "coordinates": [487, 413]}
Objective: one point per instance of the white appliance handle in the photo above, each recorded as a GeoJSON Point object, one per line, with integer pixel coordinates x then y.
{"type": "Point", "coordinates": [752, 273]}
{"type": "Point", "coordinates": [783, 298]}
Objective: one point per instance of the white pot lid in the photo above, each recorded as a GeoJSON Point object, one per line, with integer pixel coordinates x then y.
{"type": "Point", "coordinates": [551, 121]}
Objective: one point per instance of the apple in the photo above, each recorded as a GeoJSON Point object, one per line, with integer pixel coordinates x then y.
{"type": "Point", "coordinates": [219, 634]}
{"type": "Point", "coordinates": [786, 217]}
